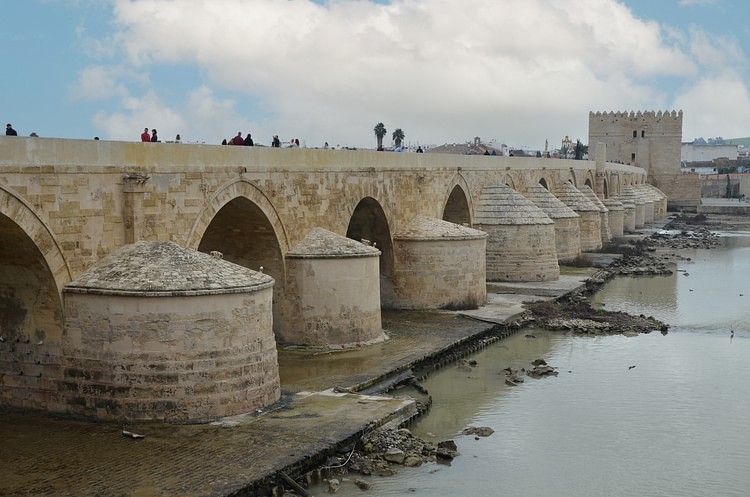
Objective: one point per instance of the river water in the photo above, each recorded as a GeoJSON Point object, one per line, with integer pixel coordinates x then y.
{"type": "Point", "coordinates": [653, 415]}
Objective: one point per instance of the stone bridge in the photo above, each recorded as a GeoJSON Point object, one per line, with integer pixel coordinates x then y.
{"type": "Point", "coordinates": [67, 204]}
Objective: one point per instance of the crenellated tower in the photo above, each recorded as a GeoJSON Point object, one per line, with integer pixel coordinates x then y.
{"type": "Point", "coordinates": [650, 140]}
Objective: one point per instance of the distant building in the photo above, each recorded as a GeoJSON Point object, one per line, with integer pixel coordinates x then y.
{"type": "Point", "coordinates": [695, 152]}
{"type": "Point", "coordinates": [649, 140]}
{"type": "Point", "coordinates": [475, 148]}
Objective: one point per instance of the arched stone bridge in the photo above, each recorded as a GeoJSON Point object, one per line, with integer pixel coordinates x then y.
{"type": "Point", "coordinates": [65, 204]}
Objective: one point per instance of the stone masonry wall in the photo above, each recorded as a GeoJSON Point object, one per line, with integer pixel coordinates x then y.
{"type": "Point", "coordinates": [125, 358]}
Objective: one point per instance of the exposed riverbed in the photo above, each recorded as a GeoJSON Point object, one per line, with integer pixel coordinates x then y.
{"type": "Point", "coordinates": [647, 415]}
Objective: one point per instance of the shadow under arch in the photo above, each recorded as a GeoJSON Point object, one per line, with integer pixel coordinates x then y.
{"type": "Point", "coordinates": [368, 222]}
{"type": "Point", "coordinates": [33, 272]}
{"type": "Point", "coordinates": [589, 180]}
{"type": "Point", "coordinates": [457, 208]}
{"type": "Point", "coordinates": [242, 224]}
{"type": "Point", "coordinates": [572, 179]}
{"type": "Point", "coordinates": [543, 182]}
{"type": "Point", "coordinates": [605, 188]}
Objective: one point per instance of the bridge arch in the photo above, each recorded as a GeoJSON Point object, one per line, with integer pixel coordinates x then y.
{"type": "Point", "coordinates": [241, 223]}
{"type": "Point", "coordinates": [369, 224]}
{"type": "Point", "coordinates": [543, 182]}
{"type": "Point", "coordinates": [457, 208]}
{"type": "Point", "coordinates": [508, 181]}
{"type": "Point", "coordinates": [572, 178]}
{"type": "Point", "coordinates": [33, 272]}
{"type": "Point", "coordinates": [227, 193]}
{"type": "Point", "coordinates": [589, 180]}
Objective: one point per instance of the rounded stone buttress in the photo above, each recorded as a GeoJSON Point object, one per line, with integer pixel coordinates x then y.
{"type": "Point", "coordinates": [439, 265]}
{"type": "Point", "coordinates": [567, 229]}
{"type": "Point", "coordinates": [156, 332]}
{"type": "Point", "coordinates": [589, 216]}
{"type": "Point", "coordinates": [521, 238]}
{"type": "Point", "coordinates": [332, 293]}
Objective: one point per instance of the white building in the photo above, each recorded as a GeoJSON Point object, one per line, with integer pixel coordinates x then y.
{"type": "Point", "coordinates": [691, 152]}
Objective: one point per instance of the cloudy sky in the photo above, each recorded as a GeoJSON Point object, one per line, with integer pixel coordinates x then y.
{"type": "Point", "coordinates": [516, 71]}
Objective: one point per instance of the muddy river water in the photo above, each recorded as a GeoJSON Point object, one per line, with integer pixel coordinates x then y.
{"type": "Point", "coordinates": [653, 415]}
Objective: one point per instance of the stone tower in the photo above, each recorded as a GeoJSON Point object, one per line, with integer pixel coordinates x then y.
{"type": "Point", "coordinates": [652, 141]}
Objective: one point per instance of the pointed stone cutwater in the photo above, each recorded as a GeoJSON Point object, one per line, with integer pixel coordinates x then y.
{"type": "Point", "coordinates": [589, 218]}
{"type": "Point", "coordinates": [567, 229]}
{"type": "Point", "coordinates": [332, 292]}
{"type": "Point", "coordinates": [660, 202]}
{"type": "Point", "coordinates": [640, 207]}
{"type": "Point", "coordinates": [616, 216]}
{"type": "Point", "coordinates": [438, 264]}
{"type": "Point", "coordinates": [521, 241]}
{"type": "Point", "coordinates": [628, 198]}
{"type": "Point", "coordinates": [603, 213]}
{"type": "Point", "coordinates": [650, 202]}
{"type": "Point", "coordinates": [657, 197]}
{"type": "Point", "coordinates": [158, 332]}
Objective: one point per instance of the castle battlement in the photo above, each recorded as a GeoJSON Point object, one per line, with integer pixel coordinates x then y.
{"type": "Point", "coordinates": [639, 114]}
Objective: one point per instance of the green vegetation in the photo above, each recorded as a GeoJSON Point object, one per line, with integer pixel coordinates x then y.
{"type": "Point", "coordinates": [380, 132]}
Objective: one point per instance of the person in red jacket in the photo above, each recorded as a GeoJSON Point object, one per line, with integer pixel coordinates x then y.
{"type": "Point", "coordinates": [145, 137]}
{"type": "Point", "coordinates": [238, 140]}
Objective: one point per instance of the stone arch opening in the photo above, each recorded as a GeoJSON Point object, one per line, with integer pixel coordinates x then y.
{"type": "Point", "coordinates": [588, 183]}
{"type": "Point", "coordinates": [605, 188]}
{"type": "Point", "coordinates": [30, 304]}
{"type": "Point", "coordinates": [457, 207]}
{"type": "Point", "coordinates": [543, 182]}
{"type": "Point", "coordinates": [508, 181]}
{"type": "Point", "coordinates": [572, 178]}
{"type": "Point", "coordinates": [368, 222]}
{"type": "Point", "coordinates": [242, 232]}
{"type": "Point", "coordinates": [246, 198]}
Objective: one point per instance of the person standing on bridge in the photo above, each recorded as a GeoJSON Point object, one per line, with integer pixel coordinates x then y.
{"type": "Point", "coordinates": [154, 137]}
{"type": "Point", "coordinates": [249, 140]}
{"type": "Point", "coordinates": [275, 143]}
{"type": "Point", "coordinates": [145, 136]}
{"type": "Point", "coordinates": [9, 131]}
{"type": "Point", "coordinates": [237, 140]}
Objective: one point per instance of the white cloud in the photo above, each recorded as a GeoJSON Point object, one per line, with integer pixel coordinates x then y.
{"type": "Point", "coordinates": [100, 82]}
{"type": "Point", "coordinates": [716, 106]}
{"type": "Point", "coordinates": [442, 70]}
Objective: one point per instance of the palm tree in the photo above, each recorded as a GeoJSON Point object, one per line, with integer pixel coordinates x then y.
{"type": "Point", "coordinates": [580, 150]}
{"type": "Point", "coordinates": [380, 132]}
{"type": "Point", "coordinates": [564, 152]}
{"type": "Point", "coordinates": [398, 136]}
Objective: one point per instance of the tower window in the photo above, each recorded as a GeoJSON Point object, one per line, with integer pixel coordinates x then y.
{"type": "Point", "coordinates": [635, 133]}
{"type": "Point", "coordinates": [643, 133]}
{"type": "Point", "coordinates": [632, 157]}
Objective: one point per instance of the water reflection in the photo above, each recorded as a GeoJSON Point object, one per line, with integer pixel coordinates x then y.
{"type": "Point", "coordinates": [710, 292]}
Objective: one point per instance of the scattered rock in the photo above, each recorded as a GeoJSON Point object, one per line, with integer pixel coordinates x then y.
{"type": "Point", "coordinates": [482, 431]}
{"type": "Point", "coordinates": [394, 455]}
{"type": "Point", "coordinates": [362, 484]}
{"type": "Point", "coordinates": [333, 485]}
